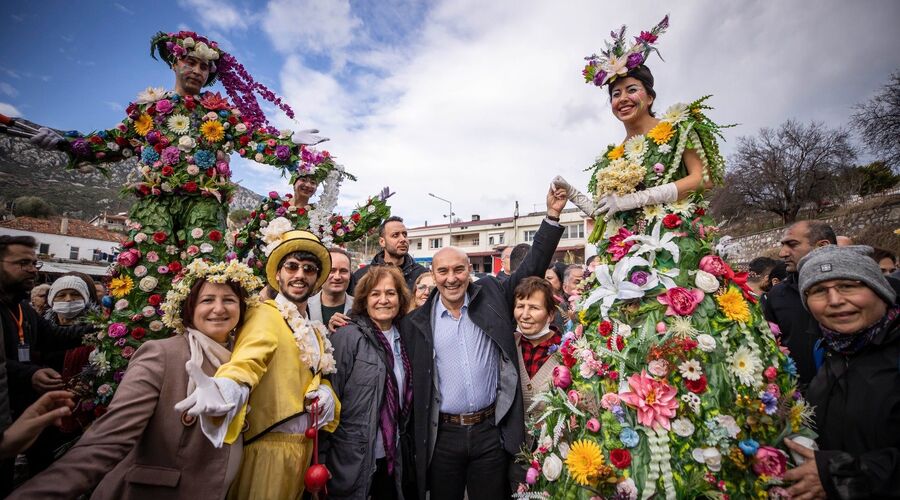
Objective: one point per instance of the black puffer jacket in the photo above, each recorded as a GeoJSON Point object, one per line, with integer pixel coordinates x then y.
{"type": "Point", "coordinates": [410, 269]}
{"type": "Point", "coordinates": [857, 405]}
{"type": "Point", "coordinates": [799, 330]}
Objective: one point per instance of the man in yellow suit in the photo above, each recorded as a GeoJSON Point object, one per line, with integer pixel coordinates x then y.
{"type": "Point", "coordinates": [279, 359]}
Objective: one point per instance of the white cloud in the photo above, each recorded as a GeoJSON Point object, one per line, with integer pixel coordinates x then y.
{"type": "Point", "coordinates": [310, 25]}
{"type": "Point", "coordinates": [216, 14]}
{"type": "Point", "coordinates": [484, 102]}
{"type": "Point", "coordinates": [9, 110]}
{"type": "Point", "coordinates": [8, 90]}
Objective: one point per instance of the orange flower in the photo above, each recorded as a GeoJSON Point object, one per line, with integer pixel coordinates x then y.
{"type": "Point", "coordinates": [661, 133]}
{"type": "Point", "coordinates": [143, 124]}
{"type": "Point", "coordinates": [212, 131]}
{"type": "Point", "coordinates": [616, 152]}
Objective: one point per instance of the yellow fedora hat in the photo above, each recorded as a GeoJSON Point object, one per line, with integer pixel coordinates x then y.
{"type": "Point", "coordinates": [298, 241]}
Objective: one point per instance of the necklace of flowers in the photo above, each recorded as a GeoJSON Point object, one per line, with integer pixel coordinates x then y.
{"type": "Point", "coordinates": [306, 337]}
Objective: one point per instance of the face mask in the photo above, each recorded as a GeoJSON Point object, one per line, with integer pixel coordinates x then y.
{"type": "Point", "coordinates": [68, 310]}
{"type": "Point", "coordinates": [541, 333]}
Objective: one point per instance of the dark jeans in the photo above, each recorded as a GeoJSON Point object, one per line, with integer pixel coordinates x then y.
{"type": "Point", "coordinates": [469, 455]}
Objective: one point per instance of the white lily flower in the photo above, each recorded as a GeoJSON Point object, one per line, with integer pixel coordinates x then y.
{"type": "Point", "coordinates": [616, 285]}
{"type": "Point", "coordinates": [652, 243]}
{"type": "Point", "coordinates": [667, 278]}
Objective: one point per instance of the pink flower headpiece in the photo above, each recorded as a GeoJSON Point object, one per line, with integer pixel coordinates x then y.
{"type": "Point", "coordinates": [617, 60]}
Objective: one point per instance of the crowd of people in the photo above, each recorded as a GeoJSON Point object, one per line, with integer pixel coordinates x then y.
{"type": "Point", "coordinates": [291, 374]}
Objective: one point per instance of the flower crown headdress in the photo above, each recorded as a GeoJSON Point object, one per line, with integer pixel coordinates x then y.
{"type": "Point", "coordinates": [617, 60]}
{"type": "Point", "coordinates": [220, 272]}
{"type": "Point", "coordinates": [238, 82]}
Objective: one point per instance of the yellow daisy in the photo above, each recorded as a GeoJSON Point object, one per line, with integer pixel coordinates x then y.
{"type": "Point", "coordinates": [143, 124]}
{"type": "Point", "coordinates": [585, 462]}
{"type": "Point", "coordinates": [661, 133]}
{"type": "Point", "coordinates": [616, 152]}
{"type": "Point", "coordinates": [212, 131]}
{"type": "Point", "coordinates": [121, 286]}
{"type": "Point", "coordinates": [733, 305]}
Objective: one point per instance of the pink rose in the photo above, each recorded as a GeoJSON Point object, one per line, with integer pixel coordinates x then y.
{"type": "Point", "coordinates": [129, 258]}
{"type": "Point", "coordinates": [609, 400]}
{"type": "Point", "coordinates": [573, 397]}
{"type": "Point", "coordinates": [164, 106]}
{"type": "Point", "coordinates": [593, 425]}
{"type": "Point", "coordinates": [658, 368]}
{"type": "Point", "coordinates": [770, 373]}
{"type": "Point", "coordinates": [562, 377]}
{"type": "Point", "coordinates": [713, 264]}
{"type": "Point", "coordinates": [152, 256]}
{"type": "Point", "coordinates": [127, 351]}
{"type": "Point", "coordinates": [532, 475]}
{"type": "Point", "coordinates": [193, 250]}
{"type": "Point", "coordinates": [770, 461]}
{"type": "Point", "coordinates": [681, 301]}
{"type": "Point", "coordinates": [116, 330]}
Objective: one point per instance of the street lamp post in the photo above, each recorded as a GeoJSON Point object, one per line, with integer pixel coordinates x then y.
{"type": "Point", "coordinates": [450, 226]}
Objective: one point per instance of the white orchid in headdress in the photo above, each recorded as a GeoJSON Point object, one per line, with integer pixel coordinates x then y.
{"type": "Point", "coordinates": [618, 285]}
{"type": "Point", "coordinates": [652, 243]}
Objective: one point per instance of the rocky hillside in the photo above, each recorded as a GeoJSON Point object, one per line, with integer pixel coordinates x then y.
{"type": "Point", "coordinates": [26, 170]}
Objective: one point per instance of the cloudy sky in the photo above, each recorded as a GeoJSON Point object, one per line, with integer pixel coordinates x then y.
{"type": "Point", "coordinates": [478, 102]}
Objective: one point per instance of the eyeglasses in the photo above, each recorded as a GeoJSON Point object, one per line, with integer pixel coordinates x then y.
{"type": "Point", "coordinates": [25, 264]}
{"type": "Point", "coordinates": [421, 287]}
{"type": "Point", "coordinates": [307, 268]}
{"type": "Point", "coordinates": [844, 289]}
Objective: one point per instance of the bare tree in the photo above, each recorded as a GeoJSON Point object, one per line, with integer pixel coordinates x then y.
{"type": "Point", "coordinates": [878, 122]}
{"type": "Point", "coordinates": [781, 170]}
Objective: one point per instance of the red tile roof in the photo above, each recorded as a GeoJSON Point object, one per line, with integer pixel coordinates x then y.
{"type": "Point", "coordinates": [77, 228]}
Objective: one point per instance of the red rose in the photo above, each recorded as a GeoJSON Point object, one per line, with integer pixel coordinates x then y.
{"type": "Point", "coordinates": [253, 214]}
{"type": "Point", "coordinates": [138, 333]}
{"type": "Point", "coordinates": [174, 266]}
{"type": "Point", "coordinates": [154, 299]}
{"type": "Point", "coordinates": [286, 204]}
{"type": "Point", "coordinates": [232, 120]}
{"type": "Point", "coordinates": [567, 350]}
{"type": "Point", "coordinates": [167, 171]}
{"type": "Point", "coordinates": [159, 237]}
{"type": "Point", "coordinates": [700, 211]}
{"type": "Point", "coordinates": [210, 172]}
{"type": "Point", "coordinates": [190, 186]}
{"type": "Point", "coordinates": [696, 386]}
{"type": "Point", "coordinates": [215, 235]}
{"type": "Point", "coordinates": [132, 110]}
{"type": "Point", "coordinates": [620, 457]}
{"type": "Point", "coordinates": [613, 375]}
{"type": "Point", "coordinates": [151, 109]}
{"type": "Point", "coordinates": [158, 147]}
{"type": "Point", "coordinates": [121, 141]}
{"type": "Point", "coordinates": [244, 140]}
{"type": "Point", "coordinates": [605, 328]}
{"type": "Point", "coordinates": [620, 343]}
{"type": "Point", "coordinates": [189, 102]}
{"type": "Point", "coordinates": [671, 221]}
{"type": "Point", "coordinates": [355, 217]}
{"type": "Point", "coordinates": [262, 216]}
{"type": "Point", "coordinates": [128, 244]}
{"type": "Point", "coordinates": [301, 211]}
{"type": "Point", "coordinates": [96, 139]}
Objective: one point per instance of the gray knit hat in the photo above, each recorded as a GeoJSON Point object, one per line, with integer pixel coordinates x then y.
{"type": "Point", "coordinates": [854, 262]}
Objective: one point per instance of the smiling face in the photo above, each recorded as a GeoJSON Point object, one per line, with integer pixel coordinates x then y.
{"type": "Point", "coordinates": [450, 268]}
{"type": "Point", "coordinates": [629, 99]}
{"type": "Point", "coordinates": [531, 313]}
{"type": "Point", "coordinates": [190, 75]}
{"type": "Point", "coordinates": [845, 306]}
{"type": "Point", "coordinates": [304, 189]}
{"type": "Point", "coordinates": [383, 302]}
{"type": "Point", "coordinates": [297, 279]}
{"type": "Point", "coordinates": [423, 288]}
{"type": "Point", "coordinates": [217, 311]}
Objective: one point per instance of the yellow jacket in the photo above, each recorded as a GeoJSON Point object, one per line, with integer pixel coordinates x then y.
{"type": "Point", "coordinates": [267, 360]}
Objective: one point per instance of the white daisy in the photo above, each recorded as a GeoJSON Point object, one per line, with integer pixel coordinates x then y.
{"type": "Point", "coordinates": [683, 427]}
{"type": "Point", "coordinates": [635, 148]}
{"type": "Point", "coordinates": [681, 207]}
{"type": "Point", "coordinates": [179, 124]}
{"type": "Point", "coordinates": [745, 366]}
{"type": "Point", "coordinates": [653, 212]}
{"type": "Point", "coordinates": [690, 369]}
{"type": "Point", "coordinates": [150, 94]}
{"type": "Point", "coordinates": [676, 114]}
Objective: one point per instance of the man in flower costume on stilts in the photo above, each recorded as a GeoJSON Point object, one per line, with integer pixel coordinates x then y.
{"type": "Point", "coordinates": [672, 385]}
{"type": "Point", "coordinates": [183, 139]}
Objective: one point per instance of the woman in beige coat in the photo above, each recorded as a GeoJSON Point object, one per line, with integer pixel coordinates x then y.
{"type": "Point", "coordinates": [142, 447]}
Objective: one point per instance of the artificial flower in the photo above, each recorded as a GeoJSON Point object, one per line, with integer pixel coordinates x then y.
{"type": "Point", "coordinates": [148, 283]}
{"type": "Point", "coordinates": [658, 368]}
{"type": "Point", "coordinates": [213, 101]}
{"type": "Point", "coordinates": [616, 285]}
{"type": "Point", "coordinates": [653, 212]}
{"type": "Point", "coordinates": [770, 461]}
{"type": "Point", "coordinates": [120, 304]}
{"type": "Point", "coordinates": [745, 365]}
{"type": "Point", "coordinates": [655, 401]}
{"type": "Point", "coordinates": [179, 124]}
{"type": "Point", "coordinates": [676, 114]}
{"type": "Point", "coordinates": [661, 133]}
{"type": "Point", "coordinates": [682, 207]}
{"type": "Point", "coordinates": [619, 244]}
{"type": "Point", "coordinates": [665, 149]}
{"type": "Point", "coordinates": [683, 427]}
{"type": "Point", "coordinates": [150, 94]}
{"type": "Point", "coordinates": [709, 456]}
{"type": "Point", "coordinates": [531, 476]}
{"type": "Point", "coordinates": [143, 125]}
{"type": "Point", "coordinates": [748, 446]}
{"type": "Point", "coordinates": [562, 377]}
{"type": "Point", "coordinates": [619, 177]}
{"type": "Point", "coordinates": [692, 400]}
{"type": "Point", "coordinates": [652, 243]}
{"type": "Point", "coordinates": [616, 66]}
{"type": "Point", "coordinates": [681, 326]}
{"type": "Point", "coordinates": [671, 221]}
{"type": "Point", "coordinates": [156, 325]}
{"type": "Point", "coordinates": [681, 301]}
{"type": "Point", "coordinates": [616, 152]}
{"type": "Point", "coordinates": [706, 281]}
{"type": "Point", "coordinates": [635, 148]}
{"type": "Point", "coordinates": [117, 330]}
{"type": "Point", "coordinates": [629, 437]}
{"type": "Point", "coordinates": [733, 305]}
{"type": "Point", "coordinates": [592, 425]}
{"type": "Point", "coordinates": [626, 490]}
{"type": "Point", "coordinates": [584, 461]}
{"type": "Point", "coordinates": [706, 342]}
{"type": "Point", "coordinates": [121, 286]}
{"type": "Point", "coordinates": [713, 264]}
{"type": "Point", "coordinates": [212, 131]}
{"type": "Point", "coordinates": [690, 369]}
{"type": "Point", "coordinates": [696, 386]}
{"type": "Point", "coordinates": [620, 458]}
{"type": "Point", "coordinates": [552, 467]}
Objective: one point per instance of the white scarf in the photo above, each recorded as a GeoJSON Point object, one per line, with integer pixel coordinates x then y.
{"type": "Point", "coordinates": [544, 331]}
{"type": "Point", "coordinates": [204, 348]}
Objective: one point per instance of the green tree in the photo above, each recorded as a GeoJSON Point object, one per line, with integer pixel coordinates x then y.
{"type": "Point", "coordinates": [32, 206]}
{"type": "Point", "coordinates": [876, 177]}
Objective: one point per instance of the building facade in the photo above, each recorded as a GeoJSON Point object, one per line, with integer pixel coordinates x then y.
{"type": "Point", "coordinates": [484, 239]}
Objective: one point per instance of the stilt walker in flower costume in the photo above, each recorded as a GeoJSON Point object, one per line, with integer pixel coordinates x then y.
{"type": "Point", "coordinates": [672, 385]}
{"type": "Point", "coordinates": [183, 139]}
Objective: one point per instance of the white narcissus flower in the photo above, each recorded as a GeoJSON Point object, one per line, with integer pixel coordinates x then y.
{"type": "Point", "coordinates": [683, 427]}
{"type": "Point", "coordinates": [148, 283]}
{"type": "Point", "coordinates": [706, 281]}
{"type": "Point", "coordinates": [690, 369]}
{"type": "Point", "coordinates": [706, 342]}
{"type": "Point", "coordinates": [552, 467]}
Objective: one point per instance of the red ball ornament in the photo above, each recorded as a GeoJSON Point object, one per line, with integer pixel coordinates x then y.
{"type": "Point", "coordinates": [311, 433]}
{"type": "Point", "coordinates": [316, 477]}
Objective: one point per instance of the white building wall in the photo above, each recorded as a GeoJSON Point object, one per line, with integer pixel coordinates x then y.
{"type": "Point", "coordinates": [60, 246]}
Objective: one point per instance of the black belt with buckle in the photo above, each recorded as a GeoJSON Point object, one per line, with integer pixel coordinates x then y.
{"type": "Point", "coordinates": [468, 418]}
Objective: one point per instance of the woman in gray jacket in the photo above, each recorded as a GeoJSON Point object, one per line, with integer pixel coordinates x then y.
{"type": "Point", "coordinates": [372, 381]}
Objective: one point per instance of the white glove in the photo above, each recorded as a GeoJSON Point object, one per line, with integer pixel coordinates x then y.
{"type": "Point", "coordinates": [612, 204]}
{"type": "Point", "coordinates": [206, 398]}
{"type": "Point", "coordinates": [46, 138]}
{"type": "Point", "coordinates": [325, 406]}
{"type": "Point", "coordinates": [307, 137]}
{"type": "Point", "coordinates": [577, 198]}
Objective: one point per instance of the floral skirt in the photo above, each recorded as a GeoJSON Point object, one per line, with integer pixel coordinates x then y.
{"type": "Point", "coordinates": [273, 466]}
